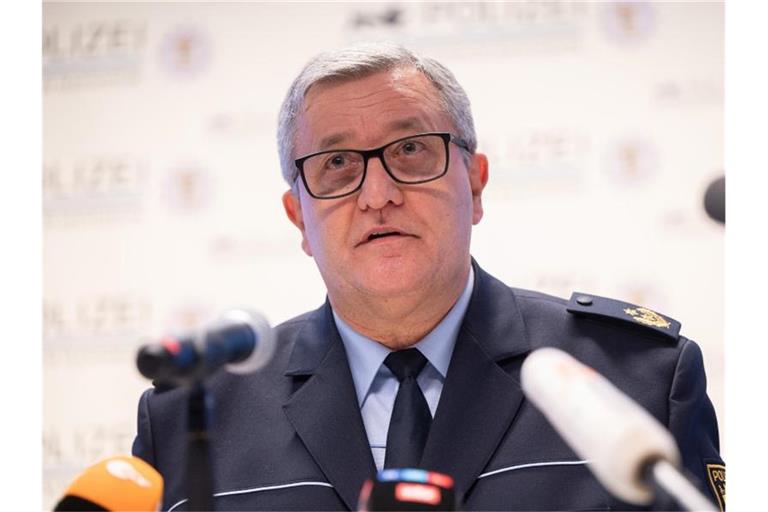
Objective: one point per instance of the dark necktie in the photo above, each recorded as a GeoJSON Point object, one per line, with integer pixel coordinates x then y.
{"type": "Point", "coordinates": [411, 419]}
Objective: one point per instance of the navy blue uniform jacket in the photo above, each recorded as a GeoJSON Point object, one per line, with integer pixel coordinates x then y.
{"type": "Point", "coordinates": [291, 437]}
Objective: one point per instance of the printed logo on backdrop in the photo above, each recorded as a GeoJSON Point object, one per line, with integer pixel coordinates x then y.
{"type": "Point", "coordinates": [548, 158]}
{"type": "Point", "coordinates": [186, 52]}
{"type": "Point", "coordinates": [631, 161]}
{"type": "Point", "coordinates": [627, 22]}
{"type": "Point", "coordinates": [245, 250]}
{"type": "Point", "coordinates": [85, 444]}
{"type": "Point", "coordinates": [701, 92]}
{"type": "Point", "coordinates": [682, 220]}
{"type": "Point", "coordinates": [188, 188]}
{"type": "Point", "coordinates": [242, 124]}
{"type": "Point", "coordinates": [188, 318]}
{"type": "Point", "coordinates": [472, 27]}
{"type": "Point", "coordinates": [104, 318]}
{"type": "Point", "coordinates": [93, 189]}
{"type": "Point", "coordinates": [390, 17]}
{"type": "Point", "coordinates": [93, 53]}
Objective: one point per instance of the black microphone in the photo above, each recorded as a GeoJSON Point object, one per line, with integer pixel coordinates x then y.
{"type": "Point", "coordinates": [714, 200]}
{"type": "Point", "coordinates": [241, 340]}
{"type": "Point", "coordinates": [408, 489]}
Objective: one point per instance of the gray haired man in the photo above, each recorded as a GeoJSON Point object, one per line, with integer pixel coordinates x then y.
{"type": "Point", "coordinates": [414, 359]}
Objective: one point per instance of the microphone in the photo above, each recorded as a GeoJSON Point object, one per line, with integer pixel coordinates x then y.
{"type": "Point", "coordinates": [714, 200]}
{"type": "Point", "coordinates": [627, 448]}
{"type": "Point", "coordinates": [241, 340]}
{"type": "Point", "coordinates": [407, 489]}
{"type": "Point", "coordinates": [122, 482]}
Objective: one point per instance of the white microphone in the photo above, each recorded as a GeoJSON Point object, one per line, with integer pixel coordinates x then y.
{"type": "Point", "coordinates": [624, 444]}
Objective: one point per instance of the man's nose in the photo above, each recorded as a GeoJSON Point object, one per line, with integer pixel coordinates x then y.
{"type": "Point", "coordinates": [379, 188]}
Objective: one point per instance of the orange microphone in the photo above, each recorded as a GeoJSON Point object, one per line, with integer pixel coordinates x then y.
{"type": "Point", "coordinates": [119, 483]}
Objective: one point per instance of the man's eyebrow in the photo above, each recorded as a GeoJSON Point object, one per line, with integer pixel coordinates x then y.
{"type": "Point", "coordinates": [333, 139]}
{"type": "Point", "coordinates": [408, 123]}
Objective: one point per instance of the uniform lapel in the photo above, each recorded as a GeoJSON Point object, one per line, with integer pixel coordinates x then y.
{"type": "Point", "coordinates": [324, 410]}
{"type": "Point", "coordinates": [479, 399]}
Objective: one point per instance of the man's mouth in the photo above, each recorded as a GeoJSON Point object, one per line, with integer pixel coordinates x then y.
{"type": "Point", "coordinates": [377, 234]}
{"type": "Point", "coordinates": [374, 236]}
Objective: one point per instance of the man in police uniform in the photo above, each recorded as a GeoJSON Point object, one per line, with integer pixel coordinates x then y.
{"type": "Point", "coordinates": [414, 359]}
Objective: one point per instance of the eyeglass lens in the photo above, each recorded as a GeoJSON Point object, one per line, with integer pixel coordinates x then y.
{"type": "Point", "coordinates": [412, 160]}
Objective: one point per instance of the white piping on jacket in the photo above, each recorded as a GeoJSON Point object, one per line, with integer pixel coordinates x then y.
{"type": "Point", "coordinates": [258, 489]}
{"type": "Point", "coordinates": [534, 465]}
{"type": "Point", "coordinates": [326, 484]}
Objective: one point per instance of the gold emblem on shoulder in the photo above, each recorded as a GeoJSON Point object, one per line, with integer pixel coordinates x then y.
{"type": "Point", "coordinates": [647, 317]}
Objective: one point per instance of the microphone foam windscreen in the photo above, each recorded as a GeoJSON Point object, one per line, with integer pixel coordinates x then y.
{"type": "Point", "coordinates": [122, 482]}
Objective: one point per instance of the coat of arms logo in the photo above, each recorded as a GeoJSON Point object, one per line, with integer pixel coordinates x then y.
{"type": "Point", "coordinates": [647, 317]}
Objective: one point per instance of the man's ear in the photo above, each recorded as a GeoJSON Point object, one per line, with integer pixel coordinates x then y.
{"type": "Point", "coordinates": [292, 206]}
{"type": "Point", "coordinates": [478, 178]}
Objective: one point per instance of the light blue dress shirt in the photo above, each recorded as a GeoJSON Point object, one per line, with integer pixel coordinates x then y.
{"type": "Point", "coordinates": [377, 387]}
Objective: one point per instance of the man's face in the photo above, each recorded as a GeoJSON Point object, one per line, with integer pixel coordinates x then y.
{"type": "Point", "coordinates": [430, 252]}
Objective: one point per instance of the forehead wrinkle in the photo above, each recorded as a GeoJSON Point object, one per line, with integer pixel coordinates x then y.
{"type": "Point", "coordinates": [371, 100]}
{"type": "Point", "coordinates": [408, 123]}
{"type": "Point", "coordinates": [400, 95]}
{"type": "Point", "coordinates": [367, 97]}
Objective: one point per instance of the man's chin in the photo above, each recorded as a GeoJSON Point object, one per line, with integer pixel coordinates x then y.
{"type": "Point", "coordinates": [391, 279]}
{"type": "Point", "coordinates": [378, 276]}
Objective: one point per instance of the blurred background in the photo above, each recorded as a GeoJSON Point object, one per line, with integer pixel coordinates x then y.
{"type": "Point", "coordinates": [603, 124]}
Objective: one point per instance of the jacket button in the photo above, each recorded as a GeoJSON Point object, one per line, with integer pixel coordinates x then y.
{"type": "Point", "coordinates": [584, 300]}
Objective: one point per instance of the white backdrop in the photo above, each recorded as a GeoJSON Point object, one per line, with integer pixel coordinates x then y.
{"type": "Point", "coordinates": [603, 123]}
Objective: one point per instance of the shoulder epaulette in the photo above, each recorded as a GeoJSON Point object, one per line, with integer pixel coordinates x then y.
{"type": "Point", "coordinates": [592, 305]}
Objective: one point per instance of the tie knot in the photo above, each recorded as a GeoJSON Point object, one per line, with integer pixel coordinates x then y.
{"type": "Point", "coordinates": [405, 363]}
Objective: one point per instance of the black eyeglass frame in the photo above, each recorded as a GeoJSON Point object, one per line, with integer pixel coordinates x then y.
{"type": "Point", "coordinates": [367, 154]}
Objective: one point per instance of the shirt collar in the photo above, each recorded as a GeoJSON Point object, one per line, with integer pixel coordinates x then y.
{"type": "Point", "coordinates": [366, 355]}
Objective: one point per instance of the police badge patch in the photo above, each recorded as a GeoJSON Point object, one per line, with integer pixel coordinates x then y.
{"type": "Point", "coordinates": [716, 474]}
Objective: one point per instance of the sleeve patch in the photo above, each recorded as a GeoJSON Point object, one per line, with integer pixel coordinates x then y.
{"type": "Point", "coordinates": [716, 476]}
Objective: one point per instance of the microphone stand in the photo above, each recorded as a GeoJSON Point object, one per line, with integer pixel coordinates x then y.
{"type": "Point", "coordinates": [672, 482]}
{"type": "Point", "coordinates": [198, 463]}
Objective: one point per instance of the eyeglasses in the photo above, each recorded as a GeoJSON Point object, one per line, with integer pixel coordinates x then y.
{"type": "Point", "coordinates": [411, 160]}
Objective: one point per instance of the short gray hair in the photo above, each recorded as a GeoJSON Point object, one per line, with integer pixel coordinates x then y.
{"type": "Point", "coordinates": [359, 61]}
